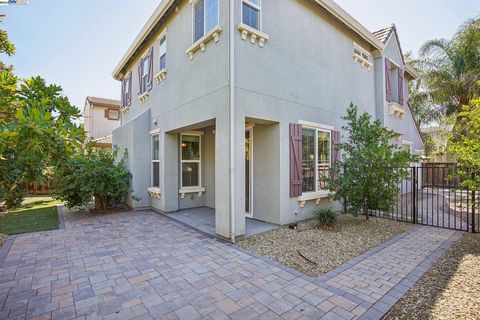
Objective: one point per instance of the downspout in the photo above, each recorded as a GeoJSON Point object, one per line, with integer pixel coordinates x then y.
{"type": "Point", "coordinates": [232, 118]}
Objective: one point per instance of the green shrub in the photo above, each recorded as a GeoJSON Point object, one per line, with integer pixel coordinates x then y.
{"type": "Point", "coordinates": [326, 217]}
{"type": "Point", "coordinates": [94, 174]}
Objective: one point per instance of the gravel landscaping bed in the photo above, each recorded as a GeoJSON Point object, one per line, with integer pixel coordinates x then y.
{"type": "Point", "coordinates": [450, 289]}
{"type": "Point", "coordinates": [317, 251]}
{"type": "Point", "coordinates": [3, 237]}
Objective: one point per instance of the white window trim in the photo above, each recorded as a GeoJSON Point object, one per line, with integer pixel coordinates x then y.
{"type": "Point", "coordinates": [259, 8]}
{"type": "Point", "coordinates": [396, 110]}
{"type": "Point", "coordinates": [360, 59]}
{"type": "Point", "coordinates": [408, 143]}
{"type": "Point", "coordinates": [194, 3]}
{"type": "Point", "coordinates": [162, 73]}
{"type": "Point", "coordinates": [154, 161]}
{"type": "Point", "coordinates": [193, 189]}
{"type": "Point", "coordinates": [317, 194]}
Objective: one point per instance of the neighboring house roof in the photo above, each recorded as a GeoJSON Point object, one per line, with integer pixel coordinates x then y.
{"type": "Point", "coordinates": [104, 102]}
{"type": "Point", "coordinates": [435, 129]}
{"type": "Point", "coordinates": [166, 6]}
{"type": "Point", "coordinates": [103, 141]}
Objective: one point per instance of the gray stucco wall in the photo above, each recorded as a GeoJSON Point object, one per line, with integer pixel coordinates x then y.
{"type": "Point", "coordinates": [304, 72]}
{"type": "Point", "coordinates": [135, 139]}
{"type": "Point", "coordinates": [300, 74]}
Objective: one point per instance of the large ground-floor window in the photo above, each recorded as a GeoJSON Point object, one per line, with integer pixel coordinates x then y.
{"type": "Point", "coordinates": [190, 146]}
{"type": "Point", "coordinates": [316, 158]}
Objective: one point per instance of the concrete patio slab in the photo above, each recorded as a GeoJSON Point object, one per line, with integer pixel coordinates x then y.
{"type": "Point", "coordinates": [203, 219]}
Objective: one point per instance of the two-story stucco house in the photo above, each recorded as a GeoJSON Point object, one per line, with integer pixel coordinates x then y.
{"type": "Point", "coordinates": [101, 117]}
{"type": "Point", "coordinates": [235, 104]}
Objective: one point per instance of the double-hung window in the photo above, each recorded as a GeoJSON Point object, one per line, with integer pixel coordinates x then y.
{"type": "Point", "coordinates": [205, 17]}
{"type": "Point", "coordinates": [316, 158]}
{"type": "Point", "coordinates": [251, 13]}
{"type": "Point", "coordinates": [190, 146]}
{"type": "Point", "coordinates": [144, 77]}
{"type": "Point", "coordinates": [155, 182]}
{"type": "Point", "coordinates": [163, 52]}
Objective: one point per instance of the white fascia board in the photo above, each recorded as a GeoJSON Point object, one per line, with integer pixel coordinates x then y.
{"type": "Point", "coordinates": [147, 28]}
{"type": "Point", "coordinates": [351, 23]}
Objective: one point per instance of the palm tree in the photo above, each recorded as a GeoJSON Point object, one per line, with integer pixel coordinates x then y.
{"type": "Point", "coordinates": [452, 67]}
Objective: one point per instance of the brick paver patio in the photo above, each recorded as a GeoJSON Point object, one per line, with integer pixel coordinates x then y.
{"type": "Point", "coordinates": [145, 266]}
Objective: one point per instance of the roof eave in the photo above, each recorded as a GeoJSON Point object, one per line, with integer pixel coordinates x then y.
{"type": "Point", "coordinates": [159, 12]}
{"type": "Point", "coordinates": [411, 71]}
{"type": "Point", "coordinates": [335, 10]}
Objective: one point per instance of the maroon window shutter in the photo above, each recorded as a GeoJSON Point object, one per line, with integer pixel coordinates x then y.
{"type": "Point", "coordinates": [336, 153]}
{"type": "Point", "coordinates": [388, 79]}
{"type": "Point", "coordinates": [150, 70]}
{"type": "Point", "coordinates": [129, 94]}
{"type": "Point", "coordinates": [140, 77]}
{"type": "Point", "coordinates": [295, 160]}
{"type": "Point", "coordinates": [400, 86]}
{"type": "Point", "coordinates": [122, 100]}
{"type": "Point", "coordinates": [106, 113]}
{"type": "Point", "coordinates": [335, 149]}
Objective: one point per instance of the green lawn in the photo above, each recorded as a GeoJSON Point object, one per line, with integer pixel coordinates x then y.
{"type": "Point", "coordinates": [35, 214]}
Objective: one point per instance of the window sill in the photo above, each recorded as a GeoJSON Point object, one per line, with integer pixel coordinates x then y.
{"type": "Point", "coordinates": [317, 196]}
{"type": "Point", "coordinates": [365, 63]}
{"type": "Point", "coordinates": [144, 96]}
{"type": "Point", "coordinates": [125, 110]}
{"type": "Point", "coordinates": [184, 191]}
{"type": "Point", "coordinates": [154, 192]}
{"type": "Point", "coordinates": [396, 110]}
{"type": "Point", "coordinates": [161, 76]}
{"type": "Point", "coordinates": [253, 34]}
{"type": "Point", "coordinates": [201, 43]}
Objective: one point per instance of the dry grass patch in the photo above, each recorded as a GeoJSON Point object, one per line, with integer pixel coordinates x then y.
{"type": "Point", "coordinates": [326, 249]}
{"type": "Point", "coordinates": [450, 289]}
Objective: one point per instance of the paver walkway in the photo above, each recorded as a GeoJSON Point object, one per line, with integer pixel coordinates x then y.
{"type": "Point", "coordinates": [144, 265]}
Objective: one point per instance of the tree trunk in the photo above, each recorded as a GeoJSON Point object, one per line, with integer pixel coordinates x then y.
{"type": "Point", "coordinates": [100, 203]}
{"type": "Point", "coordinates": [365, 211]}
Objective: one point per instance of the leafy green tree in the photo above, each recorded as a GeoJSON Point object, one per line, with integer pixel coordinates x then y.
{"type": "Point", "coordinates": [465, 145]}
{"type": "Point", "coordinates": [371, 167]}
{"type": "Point", "coordinates": [38, 129]}
{"type": "Point", "coordinates": [420, 100]}
{"type": "Point", "coordinates": [93, 175]}
{"type": "Point", "coordinates": [452, 67]}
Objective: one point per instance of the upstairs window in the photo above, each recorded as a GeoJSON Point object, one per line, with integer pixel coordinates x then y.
{"type": "Point", "coordinates": [251, 13]}
{"type": "Point", "coordinates": [144, 75]}
{"type": "Point", "coordinates": [205, 17]}
{"type": "Point", "coordinates": [362, 56]}
{"type": "Point", "coordinates": [316, 155]}
{"type": "Point", "coordinates": [163, 52]}
{"type": "Point", "coordinates": [127, 90]}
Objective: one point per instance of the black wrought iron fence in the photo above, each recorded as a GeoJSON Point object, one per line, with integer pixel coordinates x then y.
{"type": "Point", "coordinates": [434, 196]}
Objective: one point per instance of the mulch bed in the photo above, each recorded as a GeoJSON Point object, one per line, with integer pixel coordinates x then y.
{"type": "Point", "coordinates": [450, 289]}
{"type": "Point", "coordinates": [317, 251]}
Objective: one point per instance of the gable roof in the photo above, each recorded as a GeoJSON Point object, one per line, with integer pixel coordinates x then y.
{"type": "Point", "coordinates": [103, 102]}
{"type": "Point", "coordinates": [384, 35]}
{"type": "Point", "coordinates": [166, 6]}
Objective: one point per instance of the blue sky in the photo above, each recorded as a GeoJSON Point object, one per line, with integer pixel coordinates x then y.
{"type": "Point", "coordinates": [77, 43]}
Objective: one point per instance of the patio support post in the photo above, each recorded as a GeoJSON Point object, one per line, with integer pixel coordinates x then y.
{"type": "Point", "coordinates": [232, 117]}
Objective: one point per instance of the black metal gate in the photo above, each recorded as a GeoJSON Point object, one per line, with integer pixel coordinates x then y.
{"type": "Point", "coordinates": [433, 196]}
